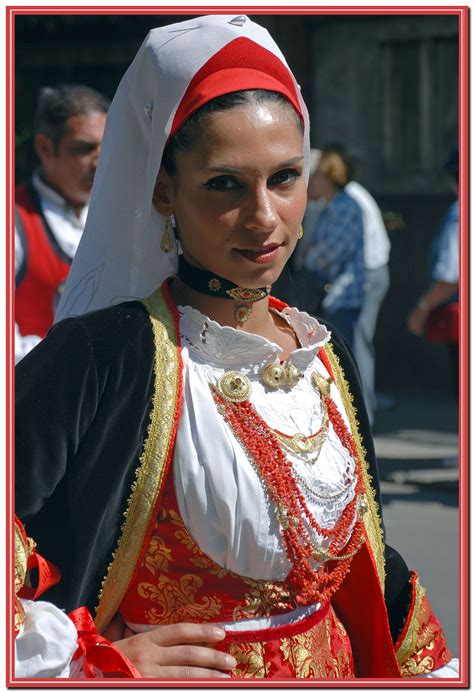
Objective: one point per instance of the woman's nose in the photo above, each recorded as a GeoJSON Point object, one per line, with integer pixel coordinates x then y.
{"type": "Point", "coordinates": [261, 214]}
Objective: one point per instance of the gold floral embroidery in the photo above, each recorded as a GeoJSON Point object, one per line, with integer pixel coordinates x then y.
{"type": "Point", "coordinates": [408, 645]}
{"type": "Point", "coordinates": [158, 556]}
{"type": "Point", "coordinates": [177, 600]}
{"type": "Point", "coordinates": [262, 599]}
{"type": "Point", "coordinates": [411, 668]}
{"type": "Point", "coordinates": [421, 636]}
{"type": "Point", "coordinates": [250, 660]}
{"type": "Point", "coordinates": [313, 654]}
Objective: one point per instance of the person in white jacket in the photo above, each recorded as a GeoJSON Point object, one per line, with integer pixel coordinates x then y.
{"type": "Point", "coordinates": [377, 282]}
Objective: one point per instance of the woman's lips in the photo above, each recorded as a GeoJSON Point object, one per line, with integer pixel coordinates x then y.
{"type": "Point", "coordinates": [262, 255]}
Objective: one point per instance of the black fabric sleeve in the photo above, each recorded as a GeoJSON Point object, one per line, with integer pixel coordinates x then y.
{"type": "Point", "coordinates": [397, 587]}
{"type": "Point", "coordinates": [56, 399]}
{"type": "Point", "coordinates": [83, 399]}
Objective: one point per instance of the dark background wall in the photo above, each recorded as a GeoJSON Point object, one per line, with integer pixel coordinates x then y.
{"type": "Point", "coordinates": [386, 86]}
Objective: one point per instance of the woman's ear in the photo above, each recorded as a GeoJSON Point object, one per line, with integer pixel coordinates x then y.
{"type": "Point", "coordinates": [163, 193]}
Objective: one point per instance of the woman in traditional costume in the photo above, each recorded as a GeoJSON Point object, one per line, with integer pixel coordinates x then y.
{"type": "Point", "coordinates": [199, 463]}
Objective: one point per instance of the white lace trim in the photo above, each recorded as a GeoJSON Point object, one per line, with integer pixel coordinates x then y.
{"type": "Point", "coordinates": [225, 346]}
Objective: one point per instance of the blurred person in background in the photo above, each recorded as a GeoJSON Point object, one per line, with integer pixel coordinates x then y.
{"type": "Point", "coordinates": [377, 282]}
{"type": "Point", "coordinates": [436, 313]}
{"type": "Point", "coordinates": [333, 252]}
{"type": "Point", "coordinates": [51, 208]}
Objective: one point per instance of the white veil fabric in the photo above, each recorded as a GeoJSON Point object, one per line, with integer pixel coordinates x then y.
{"type": "Point", "coordinates": [119, 256]}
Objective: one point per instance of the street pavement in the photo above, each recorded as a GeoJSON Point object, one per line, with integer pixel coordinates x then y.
{"type": "Point", "coordinates": [417, 448]}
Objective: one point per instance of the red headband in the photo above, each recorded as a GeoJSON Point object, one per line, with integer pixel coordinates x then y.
{"type": "Point", "coordinates": [241, 64]}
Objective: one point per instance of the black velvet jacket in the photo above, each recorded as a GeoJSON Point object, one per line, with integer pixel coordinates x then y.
{"type": "Point", "coordinates": [82, 409]}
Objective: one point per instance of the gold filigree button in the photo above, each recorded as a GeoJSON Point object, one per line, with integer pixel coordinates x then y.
{"type": "Point", "coordinates": [293, 375]}
{"type": "Point", "coordinates": [234, 386]}
{"type": "Point", "coordinates": [274, 376]}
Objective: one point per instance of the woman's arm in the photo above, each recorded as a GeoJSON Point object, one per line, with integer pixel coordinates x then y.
{"type": "Point", "coordinates": [56, 399]}
{"type": "Point", "coordinates": [435, 296]}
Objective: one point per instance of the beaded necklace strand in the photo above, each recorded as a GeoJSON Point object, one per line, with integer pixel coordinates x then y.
{"type": "Point", "coordinates": [308, 583]}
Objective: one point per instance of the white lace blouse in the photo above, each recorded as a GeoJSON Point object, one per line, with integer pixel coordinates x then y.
{"type": "Point", "coordinates": [221, 498]}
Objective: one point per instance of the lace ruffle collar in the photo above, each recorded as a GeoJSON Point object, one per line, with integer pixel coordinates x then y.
{"type": "Point", "coordinates": [224, 346]}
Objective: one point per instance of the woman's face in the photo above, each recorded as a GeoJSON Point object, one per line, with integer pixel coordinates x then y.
{"type": "Point", "coordinates": [239, 195]}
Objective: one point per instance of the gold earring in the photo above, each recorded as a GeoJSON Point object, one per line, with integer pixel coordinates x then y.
{"type": "Point", "coordinates": [167, 245]}
{"type": "Point", "coordinates": [300, 233]}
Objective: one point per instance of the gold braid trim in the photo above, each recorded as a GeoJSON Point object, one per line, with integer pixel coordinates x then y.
{"type": "Point", "coordinates": [22, 551]}
{"type": "Point", "coordinates": [409, 644]}
{"type": "Point", "coordinates": [150, 472]}
{"type": "Point", "coordinates": [372, 521]}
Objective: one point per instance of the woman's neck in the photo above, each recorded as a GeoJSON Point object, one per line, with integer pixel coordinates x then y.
{"type": "Point", "coordinates": [261, 321]}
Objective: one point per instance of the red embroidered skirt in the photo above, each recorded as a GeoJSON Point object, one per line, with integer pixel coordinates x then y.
{"type": "Point", "coordinates": [317, 647]}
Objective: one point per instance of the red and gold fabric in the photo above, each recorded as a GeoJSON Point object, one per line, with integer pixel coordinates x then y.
{"type": "Point", "coordinates": [177, 582]}
{"type": "Point", "coordinates": [359, 602]}
{"type": "Point", "coordinates": [26, 558]}
{"type": "Point", "coordinates": [316, 648]}
{"type": "Point", "coordinates": [95, 655]}
{"type": "Point", "coordinates": [421, 646]}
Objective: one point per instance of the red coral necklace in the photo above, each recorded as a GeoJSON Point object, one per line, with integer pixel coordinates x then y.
{"type": "Point", "coordinates": [315, 574]}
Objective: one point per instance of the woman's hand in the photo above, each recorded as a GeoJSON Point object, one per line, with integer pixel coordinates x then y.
{"type": "Point", "coordinates": [180, 651]}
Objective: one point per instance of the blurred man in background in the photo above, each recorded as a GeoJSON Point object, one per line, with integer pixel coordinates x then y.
{"type": "Point", "coordinates": [377, 282]}
{"type": "Point", "coordinates": [51, 208]}
{"type": "Point", "coordinates": [436, 313]}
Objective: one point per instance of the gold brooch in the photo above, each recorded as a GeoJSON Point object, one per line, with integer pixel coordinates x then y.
{"type": "Point", "coordinates": [275, 375]}
{"type": "Point", "coordinates": [234, 386]}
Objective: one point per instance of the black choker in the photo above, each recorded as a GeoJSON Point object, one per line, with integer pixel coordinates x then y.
{"type": "Point", "coordinates": [213, 285]}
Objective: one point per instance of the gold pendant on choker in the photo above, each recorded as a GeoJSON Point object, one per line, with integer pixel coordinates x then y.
{"type": "Point", "coordinates": [242, 313]}
{"type": "Point", "coordinates": [244, 300]}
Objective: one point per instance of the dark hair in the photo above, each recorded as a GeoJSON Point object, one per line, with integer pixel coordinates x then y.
{"type": "Point", "coordinates": [186, 136]}
{"type": "Point", "coordinates": [57, 104]}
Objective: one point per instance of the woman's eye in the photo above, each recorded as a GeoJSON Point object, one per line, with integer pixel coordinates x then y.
{"type": "Point", "coordinates": [285, 177]}
{"type": "Point", "coordinates": [222, 183]}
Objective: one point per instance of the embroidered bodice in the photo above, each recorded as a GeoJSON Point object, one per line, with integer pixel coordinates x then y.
{"type": "Point", "coordinates": [220, 496]}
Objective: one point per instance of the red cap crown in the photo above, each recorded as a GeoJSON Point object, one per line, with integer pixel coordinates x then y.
{"type": "Point", "coordinates": [241, 64]}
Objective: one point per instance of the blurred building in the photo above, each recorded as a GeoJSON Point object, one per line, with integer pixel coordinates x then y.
{"type": "Point", "coordinates": [384, 85]}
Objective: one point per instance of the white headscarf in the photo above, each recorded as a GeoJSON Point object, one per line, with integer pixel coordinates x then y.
{"type": "Point", "coordinates": [119, 256]}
